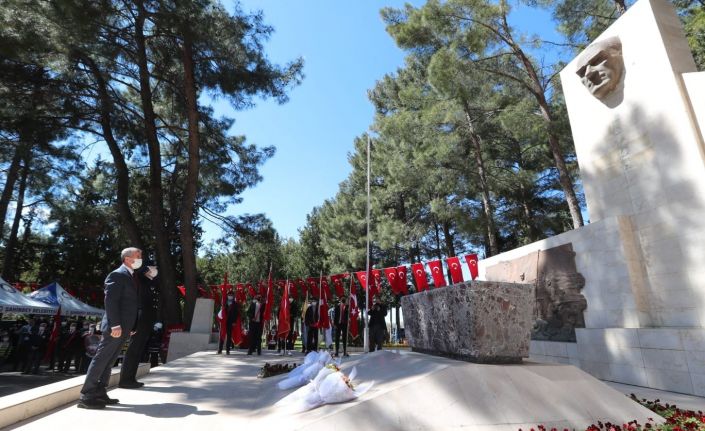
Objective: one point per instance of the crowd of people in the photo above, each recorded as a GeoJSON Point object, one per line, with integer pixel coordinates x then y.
{"type": "Point", "coordinates": [25, 345]}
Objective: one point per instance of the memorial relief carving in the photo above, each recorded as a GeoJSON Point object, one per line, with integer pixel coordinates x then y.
{"type": "Point", "coordinates": [601, 67]}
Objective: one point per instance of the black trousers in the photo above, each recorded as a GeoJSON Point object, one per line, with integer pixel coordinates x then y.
{"type": "Point", "coordinates": [312, 339]}
{"type": "Point", "coordinates": [255, 336]}
{"type": "Point", "coordinates": [135, 352]}
{"type": "Point", "coordinates": [376, 337]}
{"type": "Point", "coordinates": [228, 341]}
{"type": "Point", "coordinates": [341, 331]}
{"type": "Point", "coordinates": [98, 375]}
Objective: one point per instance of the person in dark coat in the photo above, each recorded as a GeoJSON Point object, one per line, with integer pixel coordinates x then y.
{"type": "Point", "coordinates": [311, 322]}
{"type": "Point", "coordinates": [378, 325]}
{"type": "Point", "coordinates": [38, 341]}
{"type": "Point", "coordinates": [70, 348]}
{"type": "Point", "coordinates": [147, 317]}
{"type": "Point", "coordinates": [341, 315]}
{"type": "Point", "coordinates": [120, 318]}
{"type": "Point", "coordinates": [233, 311]}
{"type": "Point", "coordinates": [256, 316]}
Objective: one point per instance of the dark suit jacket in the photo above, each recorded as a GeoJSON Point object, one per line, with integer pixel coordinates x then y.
{"type": "Point", "coordinates": [251, 312]}
{"type": "Point", "coordinates": [337, 315]}
{"type": "Point", "coordinates": [122, 300]}
{"type": "Point", "coordinates": [233, 312]}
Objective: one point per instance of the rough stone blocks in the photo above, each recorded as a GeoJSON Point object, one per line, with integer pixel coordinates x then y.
{"type": "Point", "coordinates": [478, 321]}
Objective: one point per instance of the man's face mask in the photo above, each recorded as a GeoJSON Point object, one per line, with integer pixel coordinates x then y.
{"type": "Point", "coordinates": [230, 299]}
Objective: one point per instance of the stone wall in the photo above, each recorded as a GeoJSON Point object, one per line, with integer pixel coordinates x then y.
{"type": "Point", "coordinates": [486, 322]}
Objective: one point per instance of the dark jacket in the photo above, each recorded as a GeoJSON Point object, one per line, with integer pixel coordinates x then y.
{"type": "Point", "coordinates": [233, 312]}
{"type": "Point", "coordinates": [121, 300]}
{"type": "Point", "coordinates": [311, 317]}
{"type": "Point", "coordinates": [251, 312]}
{"type": "Point", "coordinates": [377, 314]}
{"type": "Point", "coordinates": [338, 315]}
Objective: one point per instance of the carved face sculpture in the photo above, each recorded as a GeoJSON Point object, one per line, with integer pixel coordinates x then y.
{"type": "Point", "coordinates": [601, 66]}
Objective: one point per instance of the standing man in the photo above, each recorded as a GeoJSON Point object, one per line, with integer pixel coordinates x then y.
{"type": "Point", "coordinates": [233, 311]}
{"type": "Point", "coordinates": [120, 318]}
{"type": "Point", "coordinates": [378, 325]}
{"type": "Point", "coordinates": [311, 322]}
{"type": "Point", "coordinates": [256, 314]}
{"type": "Point", "coordinates": [147, 317]}
{"type": "Point", "coordinates": [340, 322]}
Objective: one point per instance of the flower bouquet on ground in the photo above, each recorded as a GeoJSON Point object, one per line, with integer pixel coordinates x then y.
{"type": "Point", "coordinates": [313, 362]}
{"type": "Point", "coordinates": [328, 387]}
{"type": "Point", "coordinates": [269, 370]}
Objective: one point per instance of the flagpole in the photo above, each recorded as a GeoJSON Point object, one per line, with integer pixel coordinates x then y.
{"type": "Point", "coordinates": [367, 265]}
{"type": "Point", "coordinates": [286, 304]}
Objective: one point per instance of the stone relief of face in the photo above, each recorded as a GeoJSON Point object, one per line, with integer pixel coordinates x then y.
{"type": "Point", "coordinates": [601, 67]}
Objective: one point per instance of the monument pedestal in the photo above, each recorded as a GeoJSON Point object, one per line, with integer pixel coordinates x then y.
{"type": "Point", "coordinates": [185, 343]}
{"type": "Point", "coordinates": [478, 321]}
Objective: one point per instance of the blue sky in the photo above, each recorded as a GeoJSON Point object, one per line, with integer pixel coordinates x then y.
{"type": "Point", "coordinates": [346, 50]}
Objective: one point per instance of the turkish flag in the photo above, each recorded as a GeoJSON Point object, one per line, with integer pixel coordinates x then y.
{"type": "Point", "coordinates": [419, 276]}
{"type": "Point", "coordinates": [54, 337]}
{"type": "Point", "coordinates": [376, 285]}
{"type": "Point", "coordinates": [391, 274]}
{"type": "Point", "coordinates": [281, 283]}
{"type": "Point", "coordinates": [262, 286]}
{"type": "Point", "coordinates": [456, 272]}
{"type": "Point", "coordinates": [323, 319]}
{"type": "Point", "coordinates": [362, 279]}
{"type": "Point", "coordinates": [354, 313]}
{"type": "Point", "coordinates": [313, 286]}
{"type": "Point", "coordinates": [238, 336]}
{"type": "Point", "coordinates": [401, 280]}
{"type": "Point", "coordinates": [325, 287]}
{"type": "Point", "coordinates": [471, 260]}
{"type": "Point", "coordinates": [250, 290]}
{"type": "Point", "coordinates": [301, 284]}
{"type": "Point", "coordinates": [436, 268]}
{"type": "Point", "coordinates": [284, 314]}
{"type": "Point", "coordinates": [293, 292]}
{"type": "Point", "coordinates": [240, 293]}
{"type": "Point", "coordinates": [337, 281]}
{"type": "Point", "coordinates": [270, 298]}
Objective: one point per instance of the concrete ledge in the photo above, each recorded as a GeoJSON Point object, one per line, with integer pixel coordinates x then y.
{"type": "Point", "coordinates": [26, 404]}
{"type": "Point", "coordinates": [182, 344]}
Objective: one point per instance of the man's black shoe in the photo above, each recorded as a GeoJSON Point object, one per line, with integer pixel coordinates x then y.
{"type": "Point", "coordinates": [91, 404]}
{"type": "Point", "coordinates": [107, 400]}
{"type": "Point", "coordinates": [131, 385]}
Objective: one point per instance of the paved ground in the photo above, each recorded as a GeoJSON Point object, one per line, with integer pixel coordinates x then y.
{"type": "Point", "coordinates": [13, 381]}
{"type": "Point", "coordinates": [209, 391]}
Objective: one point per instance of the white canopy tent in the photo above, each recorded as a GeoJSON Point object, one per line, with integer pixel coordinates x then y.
{"type": "Point", "coordinates": [53, 294]}
{"type": "Point", "coordinates": [13, 301]}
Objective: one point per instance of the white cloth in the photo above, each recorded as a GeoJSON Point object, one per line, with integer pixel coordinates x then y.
{"type": "Point", "coordinates": [328, 387]}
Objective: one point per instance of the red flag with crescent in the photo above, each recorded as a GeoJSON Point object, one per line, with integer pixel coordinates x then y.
{"type": "Point", "coordinates": [240, 293]}
{"type": "Point", "coordinates": [354, 313]}
{"type": "Point", "coordinates": [401, 280]}
{"type": "Point", "coordinates": [301, 284]}
{"type": "Point", "coordinates": [284, 313]}
{"type": "Point", "coordinates": [456, 272]}
{"type": "Point", "coordinates": [313, 290]}
{"type": "Point", "coordinates": [250, 290]}
{"type": "Point", "coordinates": [262, 287]}
{"type": "Point", "coordinates": [419, 276]}
{"type": "Point", "coordinates": [436, 268]}
{"type": "Point", "coordinates": [391, 274]}
{"type": "Point", "coordinates": [323, 319]}
{"type": "Point", "coordinates": [362, 279]}
{"type": "Point", "coordinates": [471, 260]}
{"type": "Point", "coordinates": [337, 281]}
{"type": "Point", "coordinates": [325, 287]}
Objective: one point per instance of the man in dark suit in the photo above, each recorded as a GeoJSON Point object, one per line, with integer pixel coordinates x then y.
{"type": "Point", "coordinates": [256, 315]}
{"type": "Point", "coordinates": [147, 317]}
{"type": "Point", "coordinates": [340, 323]}
{"type": "Point", "coordinates": [120, 318]}
{"type": "Point", "coordinates": [378, 325]}
{"type": "Point", "coordinates": [232, 312]}
{"type": "Point", "coordinates": [311, 322]}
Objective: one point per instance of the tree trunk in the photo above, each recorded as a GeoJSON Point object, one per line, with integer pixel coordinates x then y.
{"type": "Point", "coordinates": [621, 7]}
{"type": "Point", "coordinates": [12, 174]}
{"type": "Point", "coordinates": [476, 143]}
{"type": "Point", "coordinates": [563, 174]}
{"type": "Point", "coordinates": [123, 175]}
{"type": "Point", "coordinates": [536, 88]}
{"type": "Point", "coordinates": [167, 277]}
{"type": "Point", "coordinates": [188, 251]}
{"type": "Point", "coordinates": [8, 270]}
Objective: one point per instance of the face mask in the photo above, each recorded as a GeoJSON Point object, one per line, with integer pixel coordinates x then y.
{"type": "Point", "coordinates": [72, 329]}
{"type": "Point", "coordinates": [136, 264]}
{"type": "Point", "coordinates": [230, 299]}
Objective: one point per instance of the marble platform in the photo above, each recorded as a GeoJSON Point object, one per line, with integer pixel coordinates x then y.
{"type": "Point", "coordinates": [411, 391]}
